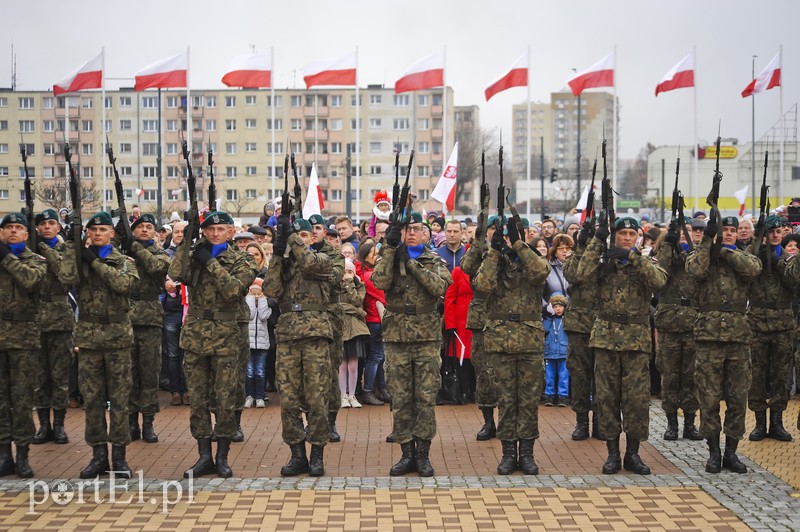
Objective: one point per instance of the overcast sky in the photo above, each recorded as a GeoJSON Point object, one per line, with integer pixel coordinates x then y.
{"type": "Point", "coordinates": [482, 40]}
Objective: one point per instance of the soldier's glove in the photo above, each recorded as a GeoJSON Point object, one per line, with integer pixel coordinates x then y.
{"type": "Point", "coordinates": [201, 255]}
{"type": "Point", "coordinates": [760, 225]}
{"type": "Point", "coordinates": [279, 247]}
{"type": "Point", "coordinates": [89, 255]}
{"type": "Point", "coordinates": [513, 231]}
{"type": "Point", "coordinates": [672, 237]}
{"type": "Point", "coordinates": [583, 236]}
{"type": "Point", "coordinates": [124, 241]}
{"type": "Point", "coordinates": [711, 230]}
{"type": "Point", "coordinates": [4, 250]}
{"type": "Point", "coordinates": [394, 235]}
{"type": "Point", "coordinates": [602, 232]}
{"type": "Point", "coordinates": [497, 240]}
{"type": "Point", "coordinates": [401, 255]}
{"type": "Point", "coordinates": [69, 234]}
{"type": "Point", "coordinates": [284, 226]}
{"type": "Point", "coordinates": [618, 253]}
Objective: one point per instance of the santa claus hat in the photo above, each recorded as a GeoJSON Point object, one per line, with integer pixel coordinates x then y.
{"type": "Point", "coordinates": [381, 196]}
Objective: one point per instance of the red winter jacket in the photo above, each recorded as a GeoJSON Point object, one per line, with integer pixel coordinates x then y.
{"type": "Point", "coordinates": [456, 305]}
{"type": "Point", "coordinates": [364, 271]}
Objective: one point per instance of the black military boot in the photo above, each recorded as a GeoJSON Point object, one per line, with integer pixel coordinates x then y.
{"type": "Point", "coordinates": [633, 462]}
{"type": "Point", "coordinates": [205, 464]}
{"type": "Point", "coordinates": [760, 430]}
{"type": "Point", "coordinates": [99, 462]}
{"type": "Point", "coordinates": [596, 426]}
{"type": "Point", "coordinates": [133, 422]}
{"type": "Point", "coordinates": [581, 431]}
{"type": "Point", "coordinates": [23, 467]}
{"type": "Point", "coordinates": [118, 463]}
{"type": "Point", "coordinates": [148, 433]}
{"type": "Point", "coordinates": [424, 467]}
{"type": "Point", "coordinates": [526, 463]}
{"type": "Point", "coordinates": [671, 433]}
{"type": "Point", "coordinates": [315, 466]}
{"type": "Point", "coordinates": [714, 464]}
{"type": "Point", "coordinates": [508, 464]}
{"type": "Point", "coordinates": [407, 463]}
{"type": "Point", "coordinates": [334, 436]}
{"type": "Point", "coordinates": [613, 462]}
{"type": "Point", "coordinates": [59, 434]}
{"type": "Point", "coordinates": [6, 460]}
{"type": "Point", "coordinates": [489, 429]}
{"type": "Point", "coordinates": [223, 469]}
{"type": "Point", "coordinates": [776, 430]}
{"type": "Point", "coordinates": [298, 463]}
{"type": "Point", "coordinates": [44, 434]}
{"type": "Point", "coordinates": [690, 432]}
{"type": "Point", "coordinates": [729, 459]}
{"type": "Point", "coordinates": [238, 437]}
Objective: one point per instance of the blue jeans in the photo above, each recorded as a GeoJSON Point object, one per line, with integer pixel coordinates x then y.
{"type": "Point", "coordinates": [255, 382]}
{"type": "Point", "coordinates": [171, 336]}
{"type": "Point", "coordinates": [373, 370]}
{"type": "Point", "coordinates": [556, 377]}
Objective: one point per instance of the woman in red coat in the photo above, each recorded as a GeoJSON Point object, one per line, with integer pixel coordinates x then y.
{"type": "Point", "coordinates": [458, 337]}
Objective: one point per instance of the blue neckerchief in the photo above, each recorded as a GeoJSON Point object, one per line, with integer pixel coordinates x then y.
{"type": "Point", "coordinates": [730, 246]}
{"type": "Point", "coordinates": [147, 243]}
{"type": "Point", "coordinates": [684, 246]}
{"type": "Point", "coordinates": [216, 249]}
{"type": "Point", "coordinates": [103, 251]}
{"type": "Point", "coordinates": [778, 250]}
{"type": "Point", "coordinates": [17, 249]}
{"type": "Point", "coordinates": [51, 241]}
{"type": "Point", "coordinates": [415, 251]}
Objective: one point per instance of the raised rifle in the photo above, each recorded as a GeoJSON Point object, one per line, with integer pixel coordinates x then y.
{"type": "Point", "coordinates": [212, 188]}
{"type": "Point", "coordinates": [75, 196]}
{"type": "Point", "coordinates": [401, 210]}
{"type": "Point", "coordinates": [192, 231]}
{"type": "Point", "coordinates": [28, 209]}
{"type": "Point", "coordinates": [286, 200]}
{"type": "Point", "coordinates": [607, 204]}
{"type": "Point", "coordinates": [480, 230]}
{"type": "Point", "coordinates": [120, 211]}
{"type": "Point", "coordinates": [590, 197]}
{"type": "Point", "coordinates": [501, 192]}
{"type": "Point", "coordinates": [297, 211]}
{"type": "Point", "coordinates": [712, 200]}
{"type": "Point", "coordinates": [678, 205]}
{"type": "Point", "coordinates": [762, 216]}
{"type": "Point", "coordinates": [396, 186]}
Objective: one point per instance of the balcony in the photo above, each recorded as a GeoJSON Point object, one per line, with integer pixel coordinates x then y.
{"type": "Point", "coordinates": [61, 112]}
{"type": "Point", "coordinates": [197, 111]}
{"type": "Point", "coordinates": [437, 134]}
{"type": "Point", "coordinates": [308, 110]}
{"type": "Point", "coordinates": [321, 134]}
{"type": "Point", "coordinates": [436, 110]}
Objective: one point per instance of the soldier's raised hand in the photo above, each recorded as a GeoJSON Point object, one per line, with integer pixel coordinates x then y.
{"type": "Point", "coordinates": [497, 240]}
{"type": "Point", "coordinates": [394, 235]}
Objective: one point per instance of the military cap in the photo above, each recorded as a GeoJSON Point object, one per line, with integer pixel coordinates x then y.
{"type": "Point", "coordinates": [772, 222]}
{"type": "Point", "coordinates": [216, 218]}
{"type": "Point", "coordinates": [316, 219]}
{"type": "Point", "coordinates": [525, 223]}
{"type": "Point", "coordinates": [301, 225]}
{"type": "Point", "coordinates": [627, 223]}
{"type": "Point", "coordinates": [14, 218]}
{"type": "Point", "coordinates": [47, 214]}
{"type": "Point", "coordinates": [493, 220]}
{"type": "Point", "coordinates": [415, 218]}
{"type": "Point", "coordinates": [101, 218]}
{"type": "Point", "coordinates": [148, 218]}
{"type": "Point", "coordinates": [687, 220]}
{"type": "Point", "coordinates": [730, 221]}
{"type": "Point", "coordinates": [332, 232]}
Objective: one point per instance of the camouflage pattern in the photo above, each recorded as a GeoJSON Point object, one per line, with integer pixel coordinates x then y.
{"type": "Point", "coordinates": [485, 376]}
{"type": "Point", "coordinates": [145, 367]}
{"type": "Point", "coordinates": [152, 264]}
{"type": "Point", "coordinates": [210, 376]}
{"type": "Point", "coordinates": [412, 374]}
{"type": "Point", "coordinates": [243, 319]}
{"type": "Point", "coordinates": [336, 347]}
{"type": "Point", "coordinates": [520, 377]}
{"type": "Point", "coordinates": [622, 379]}
{"type": "Point", "coordinates": [51, 371]}
{"type": "Point", "coordinates": [580, 366]}
{"type": "Point", "coordinates": [722, 373]}
{"type": "Point", "coordinates": [677, 308]}
{"type": "Point", "coordinates": [105, 375]}
{"type": "Point", "coordinates": [16, 395]}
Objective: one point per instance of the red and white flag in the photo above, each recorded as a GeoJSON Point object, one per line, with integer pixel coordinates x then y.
{"type": "Point", "coordinates": [88, 76]}
{"type": "Point", "coordinates": [517, 76]}
{"type": "Point", "coordinates": [251, 71]}
{"type": "Point", "coordinates": [741, 196]}
{"type": "Point", "coordinates": [768, 78]}
{"type": "Point", "coordinates": [600, 74]}
{"type": "Point", "coordinates": [426, 73]}
{"type": "Point", "coordinates": [445, 190]}
{"type": "Point", "coordinates": [163, 74]}
{"type": "Point", "coordinates": [340, 71]}
{"type": "Point", "coordinates": [680, 76]}
{"type": "Point", "coordinates": [314, 202]}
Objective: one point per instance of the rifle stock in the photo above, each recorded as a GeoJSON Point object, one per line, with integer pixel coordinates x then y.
{"type": "Point", "coordinates": [396, 186]}
{"type": "Point", "coordinates": [297, 211]}
{"type": "Point", "coordinates": [28, 210]}
{"type": "Point", "coordinates": [212, 188]}
{"type": "Point", "coordinates": [120, 211]}
{"type": "Point", "coordinates": [763, 209]}
{"type": "Point", "coordinates": [501, 193]}
{"type": "Point", "coordinates": [192, 231]}
{"type": "Point", "coordinates": [75, 193]}
{"type": "Point", "coordinates": [712, 200]}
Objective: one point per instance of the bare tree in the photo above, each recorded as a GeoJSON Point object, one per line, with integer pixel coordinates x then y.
{"type": "Point", "coordinates": [471, 142]}
{"type": "Point", "coordinates": [52, 192]}
{"type": "Point", "coordinates": [236, 205]}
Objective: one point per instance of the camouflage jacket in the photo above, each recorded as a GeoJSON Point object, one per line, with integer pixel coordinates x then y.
{"type": "Point", "coordinates": [721, 292]}
{"type": "Point", "coordinates": [412, 292]}
{"type": "Point", "coordinates": [152, 264]}
{"type": "Point", "coordinates": [337, 261]}
{"type": "Point", "coordinates": [20, 281]}
{"type": "Point", "coordinates": [243, 311]}
{"type": "Point", "coordinates": [301, 282]}
{"type": "Point", "coordinates": [514, 284]}
{"type": "Point", "coordinates": [55, 312]}
{"type": "Point", "coordinates": [677, 308]}
{"type": "Point", "coordinates": [771, 296]}
{"type": "Point", "coordinates": [470, 262]}
{"type": "Point", "coordinates": [623, 298]}
{"type": "Point", "coordinates": [103, 303]}
{"type": "Point", "coordinates": [579, 315]}
{"type": "Point", "coordinates": [352, 308]}
{"type": "Point", "coordinates": [215, 295]}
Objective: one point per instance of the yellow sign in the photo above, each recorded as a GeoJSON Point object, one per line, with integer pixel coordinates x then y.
{"type": "Point", "coordinates": [725, 152]}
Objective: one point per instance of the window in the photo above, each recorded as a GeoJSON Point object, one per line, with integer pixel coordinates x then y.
{"type": "Point", "coordinates": [26, 103]}
{"type": "Point", "coordinates": [437, 99]}
{"type": "Point", "coordinates": [336, 147]}
{"type": "Point", "coordinates": [232, 194]}
{"type": "Point", "coordinates": [124, 125]}
{"type": "Point", "coordinates": [278, 101]}
{"type": "Point", "coordinates": [173, 172]}
{"type": "Point", "coordinates": [87, 149]}
{"type": "Point", "coordinates": [400, 100]}
{"type": "Point", "coordinates": [423, 100]}
{"type": "Point", "coordinates": [353, 100]}
{"type": "Point", "coordinates": [278, 124]}
{"type": "Point", "coordinates": [150, 148]}
{"type": "Point", "coordinates": [374, 147]}
{"type": "Point", "coordinates": [230, 148]}
{"type": "Point", "coordinates": [275, 148]}
{"type": "Point", "coordinates": [230, 125]}
{"type": "Point", "coordinates": [125, 171]}
{"type": "Point", "coordinates": [437, 147]}
{"type": "Point", "coordinates": [3, 148]}
{"type": "Point", "coordinates": [149, 126]}
{"type": "Point", "coordinates": [3, 194]}
{"type": "Point", "coordinates": [250, 170]}
{"type": "Point", "coordinates": [230, 171]}
{"type": "Point", "coordinates": [4, 171]}
{"type": "Point", "coordinates": [49, 171]}
{"type": "Point", "coordinates": [172, 102]}
{"type": "Point", "coordinates": [172, 125]}
{"type": "Point", "coordinates": [424, 147]}
{"type": "Point", "coordinates": [125, 147]}
{"type": "Point", "coordinates": [355, 126]}
{"type": "Point", "coordinates": [297, 101]}
{"type": "Point", "coordinates": [250, 147]}
{"type": "Point", "coordinates": [107, 126]}
{"type": "Point", "coordinates": [336, 100]}
{"type": "Point", "coordinates": [124, 101]}
{"type": "Point", "coordinates": [296, 124]}
{"type": "Point", "coordinates": [3, 102]}
{"type": "Point", "coordinates": [211, 146]}
{"type": "Point", "coordinates": [250, 99]}
{"type": "Point", "coordinates": [26, 126]}
{"type": "Point", "coordinates": [423, 171]}
{"type": "Point", "coordinates": [150, 195]}
{"type": "Point", "coordinates": [336, 124]}
{"type": "Point", "coordinates": [211, 125]}
{"type": "Point", "coordinates": [172, 148]}
{"type": "Point", "coordinates": [250, 123]}
{"type": "Point", "coordinates": [87, 103]}
{"type": "Point", "coordinates": [48, 126]}
{"type": "Point", "coordinates": [88, 171]}
{"type": "Point", "coordinates": [374, 169]}
{"type": "Point", "coordinates": [374, 99]}
{"type": "Point", "coordinates": [424, 195]}
{"type": "Point", "coordinates": [336, 195]}
{"type": "Point", "coordinates": [374, 123]}
{"type": "Point", "coordinates": [47, 102]}
{"type": "Point", "coordinates": [211, 101]}
{"type": "Point", "coordinates": [150, 102]}
{"type": "Point", "coordinates": [250, 193]}
{"type": "Point", "coordinates": [49, 149]}
{"type": "Point", "coordinates": [30, 149]}
{"type": "Point", "coordinates": [296, 147]}
{"type": "Point", "coordinates": [309, 147]}
{"type": "Point", "coordinates": [400, 124]}
{"type": "Point", "coordinates": [86, 126]}
{"type": "Point", "coordinates": [230, 101]}
{"type": "Point", "coordinates": [149, 171]}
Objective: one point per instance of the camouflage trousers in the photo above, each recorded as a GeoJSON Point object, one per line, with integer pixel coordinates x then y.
{"type": "Point", "coordinates": [770, 363]}
{"type": "Point", "coordinates": [580, 366]}
{"type": "Point", "coordinates": [51, 389]}
{"type": "Point", "coordinates": [303, 372]}
{"type": "Point", "coordinates": [105, 375]}
{"type": "Point", "coordinates": [722, 373]}
{"type": "Point", "coordinates": [16, 396]}
{"type": "Point", "coordinates": [244, 356]}
{"type": "Point", "coordinates": [485, 377]}
{"type": "Point", "coordinates": [212, 377]}
{"type": "Point", "coordinates": [412, 373]}
{"type": "Point", "coordinates": [622, 379]}
{"type": "Point", "coordinates": [519, 387]}
{"type": "Point", "coordinates": [145, 367]}
{"type": "Point", "coordinates": [336, 351]}
{"type": "Point", "coordinates": [675, 361]}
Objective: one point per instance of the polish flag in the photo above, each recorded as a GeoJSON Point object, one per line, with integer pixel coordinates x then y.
{"type": "Point", "coordinates": [249, 71]}
{"type": "Point", "coordinates": [741, 196]}
{"type": "Point", "coordinates": [139, 191]}
{"type": "Point", "coordinates": [88, 76]}
{"type": "Point", "coordinates": [600, 74]}
{"type": "Point", "coordinates": [445, 190]}
{"type": "Point", "coordinates": [340, 71]}
{"type": "Point", "coordinates": [517, 76]}
{"type": "Point", "coordinates": [768, 78]}
{"type": "Point", "coordinates": [163, 74]}
{"type": "Point", "coordinates": [426, 73]}
{"type": "Point", "coordinates": [680, 76]}
{"type": "Point", "coordinates": [314, 202]}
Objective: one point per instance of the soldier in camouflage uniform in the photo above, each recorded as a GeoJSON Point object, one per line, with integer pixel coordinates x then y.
{"type": "Point", "coordinates": [104, 338]}
{"type": "Point", "coordinates": [621, 339]}
{"type": "Point", "coordinates": [218, 278]}
{"type": "Point", "coordinates": [21, 274]}
{"type": "Point", "coordinates": [772, 322]}
{"type": "Point", "coordinates": [722, 335]}
{"type": "Point", "coordinates": [513, 278]}
{"type": "Point", "coordinates": [301, 282]}
{"type": "Point", "coordinates": [243, 319]}
{"type": "Point", "coordinates": [147, 318]}
{"type": "Point", "coordinates": [413, 279]}
{"type": "Point", "coordinates": [56, 322]}
{"type": "Point", "coordinates": [674, 319]}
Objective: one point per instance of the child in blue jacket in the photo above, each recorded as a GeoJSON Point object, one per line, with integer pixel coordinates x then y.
{"type": "Point", "coordinates": [556, 388]}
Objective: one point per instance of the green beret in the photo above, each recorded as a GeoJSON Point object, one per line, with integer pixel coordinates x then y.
{"type": "Point", "coordinates": [687, 220]}
{"type": "Point", "coordinates": [773, 222]}
{"type": "Point", "coordinates": [216, 218]}
{"type": "Point", "coordinates": [626, 223]}
{"type": "Point", "coordinates": [47, 214]}
{"type": "Point", "coordinates": [730, 221]}
{"type": "Point", "coordinates": [301, 225]}
{"type": "Point", "coordinates": [493, 220]}
{"type": "Point", "coordinates": [415, 217]}
{"type": "Point", "coordinates": [316, 219]}
{"type": "Point", "coordinates": [101, 218]}
{"type": "Point", "coordinates": [525, 223]}
{"type": "Point", "coordinates": [14, 218]}
{"type": "Point", "coordinates": [148, 218]}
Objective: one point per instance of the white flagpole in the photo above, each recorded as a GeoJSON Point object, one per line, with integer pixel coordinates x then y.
{"type": "Point", "coordinates": [444, 105]}
{"type": "Point", "coordinates": [358, 145]}
{"type": "Point", "coordinates": [272, 114]}
{"type": "Point", "coordinates": [695, 172]}
{"type": "Point", "coordinates": [188, 105]}
{"type": "Point", "coordinates": [528, 143]}
{"type": "Point", "coordinates": [103, 118]}
{"type": "Point", "coordinates": [616, 144]}
{"type": "Point", "coordinates": [783, 130]}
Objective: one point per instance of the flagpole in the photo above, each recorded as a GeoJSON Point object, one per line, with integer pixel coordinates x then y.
{"type": "Point", "coordinates": [753, 138]}
{"type": "Point", "coordinates": [528, 140]}
{"type": "Point", "coordinates": [783, 129]}
{"type": "Point", "coordinates": [693, 184]}
{"type": "Point", "coordinates": [103, 118]}
{"type": "Point", "coordinates": [358, 145]}
{"type": "Point", "coordinates": [188, 104]}
{"type": "Point", "coordinates": [616, 146]}
{"type": "Point", "coordinates": [444, 104]}
{"type": "Point", "coordinates": [272, 113]}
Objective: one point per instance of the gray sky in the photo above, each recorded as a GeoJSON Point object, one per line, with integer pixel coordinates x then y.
{"type": "Point", "coordinates": [483, 39]}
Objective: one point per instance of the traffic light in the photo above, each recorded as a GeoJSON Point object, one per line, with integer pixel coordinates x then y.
{"type": "Point", "coordinates": [553, 175]}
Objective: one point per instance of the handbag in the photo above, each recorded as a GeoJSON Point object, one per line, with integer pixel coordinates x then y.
{"type": "Point", "coordinates": [450, 390]}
